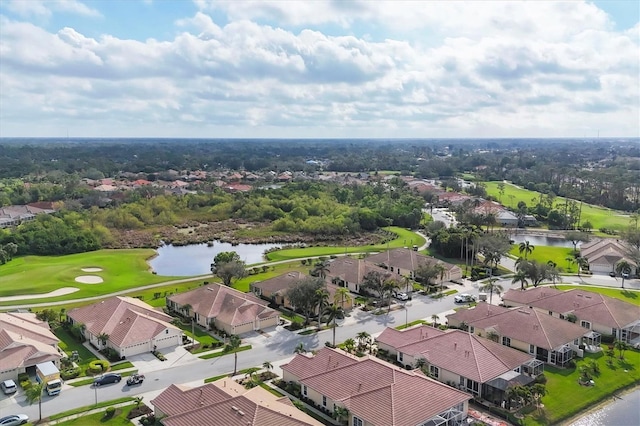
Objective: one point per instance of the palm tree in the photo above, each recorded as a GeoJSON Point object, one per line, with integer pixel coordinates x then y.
{"type": "Point", "coordinates": [322, 300]}
{"type": "Point", "coordinates": [333, 312]}
{"type": "Point", "coordinates": [388, 288]}
{"type": "Point", "coordinates": [421, 363]}
{"type": "Point", "coordinates": [441, 272]}
{"type": "Point", "coordinates": [435, 319]}
{"type": "Point", "coordinates": [363, 339]}
{"type": "Point", "coordinates": [526, 248]}
{"type": "Point", "coordinates": [491, 287]}
{"type": "Point", "coordinates": [520, 277]}
{"type": "Point", "coordinates": [341, 413]}
{"type": "Point", "coordinates": [623, 268]}
{"type": "Point", "coordinates": [554, 272]}
{"type": "Point", "coordinates": [300, 349]}
{"type": "Point", "coordinates": [342, 296]}
{"type": "Point", "coordinates": [321, 269]}
{"type": "Point", "coordinates": [570, 261]}
{"type": "Point", "coordinates": [582, 262]}
{"type": "Point", "coordinates": [33, 394]}
{"type": "Point", "coordinates": [349, 344]}
{"type": "Point", "coordinates": [62, 312]}
{"type": "Point", "coordinates": [103, 338]}
{"type": "Point", "coordinates": [267, 365]}
{"type": "Point", "coordinates": [621, 346]}
{"type": "Point", "coordinates": [233, 346]}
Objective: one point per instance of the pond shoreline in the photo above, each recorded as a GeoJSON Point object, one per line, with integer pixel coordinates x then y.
{"type": "Point", "coordinates": [603, 403]}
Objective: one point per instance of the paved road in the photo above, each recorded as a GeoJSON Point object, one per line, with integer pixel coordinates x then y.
{"type": "Point", "coordinates": [279, 346]}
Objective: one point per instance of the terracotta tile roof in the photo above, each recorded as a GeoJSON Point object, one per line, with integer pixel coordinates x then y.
{"type": "Point", "coordinates": [471, 356]}
{"type": "Point", "coordinates": [397, 338]}
{"type": "Point", "coordinates": [279, 284]}
{"type": "Point", "coordinates": [481, 310]}
{"type": "Point", "coordinates": [527, 296]}
{"type": "Point", "coordinates": [533, 327]}
{"type": "Point", "coordinates": [126, 320]}
{"type": "Point", "coordinates": [226, 304]}
{"type": "Point", "coordinates": [325, 359]}
{"type": "Point", "coordinates": [227, 403]}
{"type": "Point", "coordinates": [26, 324]}
{"type": "Point", "coordinates": [376, 391]}
{"type": "Point", "coordinates": [17, 350]}
{"type": "Point", "coordinates": [406, 259]}
{"type": "Point", "coordinates": [591, 250]}
{"type": "Point", "coordinates": [592, 307]}
{"type": "Point", "coordinates": [354, 270]}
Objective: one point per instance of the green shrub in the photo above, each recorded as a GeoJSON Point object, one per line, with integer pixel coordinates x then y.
{"type": "Point", "coordinates": [70, 373]}
{"type": "Point", "coordinates": [109, 412]}
{"type": "Point", "coordinates": [22, 377]}
{"type": "Point", "coordinates": [98, 366]}
{"type": "Point", "coordinates": [25, 384]}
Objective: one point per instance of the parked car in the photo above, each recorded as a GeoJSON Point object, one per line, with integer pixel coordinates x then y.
{"type": "Point", "coordinates": [14, 420]}
{"type": "Point", "coordinates": [107, 379]}
{"type": "Point", "coordinates": [402, 296]}
{"type": "Point", "coordinates": [612, 274]}
{"type": "Point", "coordinates": [135, 379]}
{"type": "Point", "coordinates": [9, 387]}
{"type": "Point", "coordinates": [464, 298]}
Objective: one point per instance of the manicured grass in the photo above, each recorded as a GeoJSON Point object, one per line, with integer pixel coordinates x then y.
{"type": "Point", "coordinates": [543, 254]}
{"type": "Point", "coordinates": [600, 217]}
{"type": "Point", "coordinates": [68, 344]}
{"type": "Point", "coordinates": [79, 410]}
{"type": "Point", "coordinates": [222, 352]}
{"type": "Point", "coordinates": [630, 296]}
{"type": "Point", "coordinates": [239, 372]}
{"type": "Point", "coordinates": [405, 238]}
{"type": "Point", "coordinates": [566, 397]}
{"type": "Point", "coordinates": [411, 324]}
{"type": "Point", "coordinates": [98, 419]}
{"type": "Point", "coordinates": [200, 335]}
{"type": "Point", "coordinates": [275, 270]}
{"type": "Point", "coordinates": [121, 269]}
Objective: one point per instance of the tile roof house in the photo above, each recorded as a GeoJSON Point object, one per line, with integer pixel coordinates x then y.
{"type": "Point", "coordinates": [390, 338]}
{"type": "Point", "coordinates": [476, 365]}
{"type": "Point", "coordinates": [603, 255]}
{"type": "Point", "coordinates": [375, 392]}
{"type": "Point", "coordinates": [467, 316]}
{"type": "Point", "coordinates": [17, 214]}
{"type": "Point", "coordinates": [225, 402]}
{"type": "Point", "coordinates": [227, 309]}
{"type": "Point", "coordinates": [275, 289]}
{"type": "Point", "coordinates": [597, 312]}
{"type": "Point", "coordinates": [24, 342]}
{"type": "Point", "coordinates": [550, 339]}
{"type": "Point", "coordinates": [403, 261]}
{"type": "Point", "coordinates": [349, 272]}
{"type": "Point", "coordinates": [133, 326]}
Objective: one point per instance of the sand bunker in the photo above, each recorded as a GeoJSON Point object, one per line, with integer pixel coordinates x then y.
{"type": "Point", "coordinates": [91, 269]}
{"type": "Point", "coordinates": [59, 292]}
{"type": "Point", "coordinates": [89, 279]}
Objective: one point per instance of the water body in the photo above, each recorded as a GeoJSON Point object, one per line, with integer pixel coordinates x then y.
{"type": "Point", "coordinates": [621, 412]}
{"type": "Point", "coordinates": [542, 240]}
{"type": "Point", "coordinates": [196, 259]}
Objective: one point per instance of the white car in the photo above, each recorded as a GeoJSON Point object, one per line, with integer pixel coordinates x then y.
{"type": "Point", "coordinates": [402, 296]}
{"type": "Point", "coordinates": [14, 420]}
{"type": "Point", "coordinates": [9, 387]}
{"type": "Point", "coordinates": [464, 298]}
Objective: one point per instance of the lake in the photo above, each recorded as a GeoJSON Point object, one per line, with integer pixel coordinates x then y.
{"type": "Point", "coordinates": [621, 412]}
{"type": "Point", "coordinates": [196, 259]}
{"type": "Point", "coordinates": [542, 240]}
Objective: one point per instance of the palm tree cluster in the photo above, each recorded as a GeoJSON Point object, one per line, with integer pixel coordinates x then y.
{"type": "Point", "coordinates": [534, 272]}
{"type": "Point", "coordinates": [381, 285]}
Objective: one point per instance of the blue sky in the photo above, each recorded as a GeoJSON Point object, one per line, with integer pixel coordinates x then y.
{"type": "Point", "coordinates": [208, 68]}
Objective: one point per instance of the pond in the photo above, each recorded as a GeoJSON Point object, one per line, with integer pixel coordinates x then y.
{"type": "Point", "coordinates": [621, 411]}
{"type": "Point", "coordinates": [542, 240]}
{"type": "Point", "coordinates": [196, 259]}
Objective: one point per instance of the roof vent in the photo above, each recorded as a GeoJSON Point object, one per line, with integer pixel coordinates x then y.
{"type": "Point", "coordinates": [234, 408]}
{"type": "Point", "coordinates": [241, 413]}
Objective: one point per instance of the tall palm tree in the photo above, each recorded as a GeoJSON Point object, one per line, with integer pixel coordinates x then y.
{"type": "Point", "coordinates": [521, 277]}
{"type": "Point", "coordinates": [233, 346]}
{"type": "Point", "coordinates": [34, 394]}
{"type": "Point", "coordinates": [554, 272]}
{"type": "Point", "coordinates": [333, 312]}
{"type": "Point", "coordinates": [623, 268]}
{"type": "Point", "coordinates": [491, 287]}
{"type": "Point", "coordinates": [441, 272]}
{"type": "Point", "coordinates": [582, 262]}
{"type": "Point", "coordinates": [322, 300]}
{"type": "Point", "coordinates": [435, 319]}
{"type": "Point", "coordinates": [342, 296]}
{"type": "Point", "coordinates": [570, 261]}
{"type": "Point", "coordinates": [388, 288]}
{"type": "Point", "coordinates": [526, 248]}
{"type": "Point", "coordinates": [187, 308]}
{"type": "Point", "coordinates": [267, 365]}
{"type": "Point", "coordinates": [62, 312]}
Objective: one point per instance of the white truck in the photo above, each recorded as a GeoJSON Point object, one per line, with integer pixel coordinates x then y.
{"type": "Point", "coordinates": [48, 373]}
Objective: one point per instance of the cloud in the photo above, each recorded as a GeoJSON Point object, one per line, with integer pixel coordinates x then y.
{"type": "Point", "coordinates": [511, 68]}
{"type": "Point", "coordinates": [45, 8]}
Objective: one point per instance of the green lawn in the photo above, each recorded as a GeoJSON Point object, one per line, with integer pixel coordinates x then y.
{"type": "Point", "coordinates": [600, 217]}
{"type": "Point", "coordinates": [223, 352]}
{"type": "Point", "coordinates": [121, 269]}
{"type": "Point", "coordinates": [79, 410]}
{"type": "Point", "coordinates": [567, 398]}
{"type": "Point", "coordinates": [405, 238]}
{"type": "Point", "coordinates": [543, 254]}
{"type": "Point", "coordinates": [69, 344]}
{"type": "Point", "coordinates": [97, 419]}
{"type": "Point", "coordinates": [630, 296]}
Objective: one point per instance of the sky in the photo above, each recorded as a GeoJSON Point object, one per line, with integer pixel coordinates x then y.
{"type": "Point", "coordinates": [319, 69]}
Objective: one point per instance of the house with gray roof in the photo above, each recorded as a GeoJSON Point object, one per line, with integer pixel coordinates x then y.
{"type": "Point", "coordinates": [349, 272]}
{"type": "Point", "coordinates": [405, 262]}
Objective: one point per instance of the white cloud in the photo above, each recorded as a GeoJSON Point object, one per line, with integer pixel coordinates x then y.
{"type": "Point", "coordinates": [45, 8]}
{"type": "Point", "coordinates": [490, 69]}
